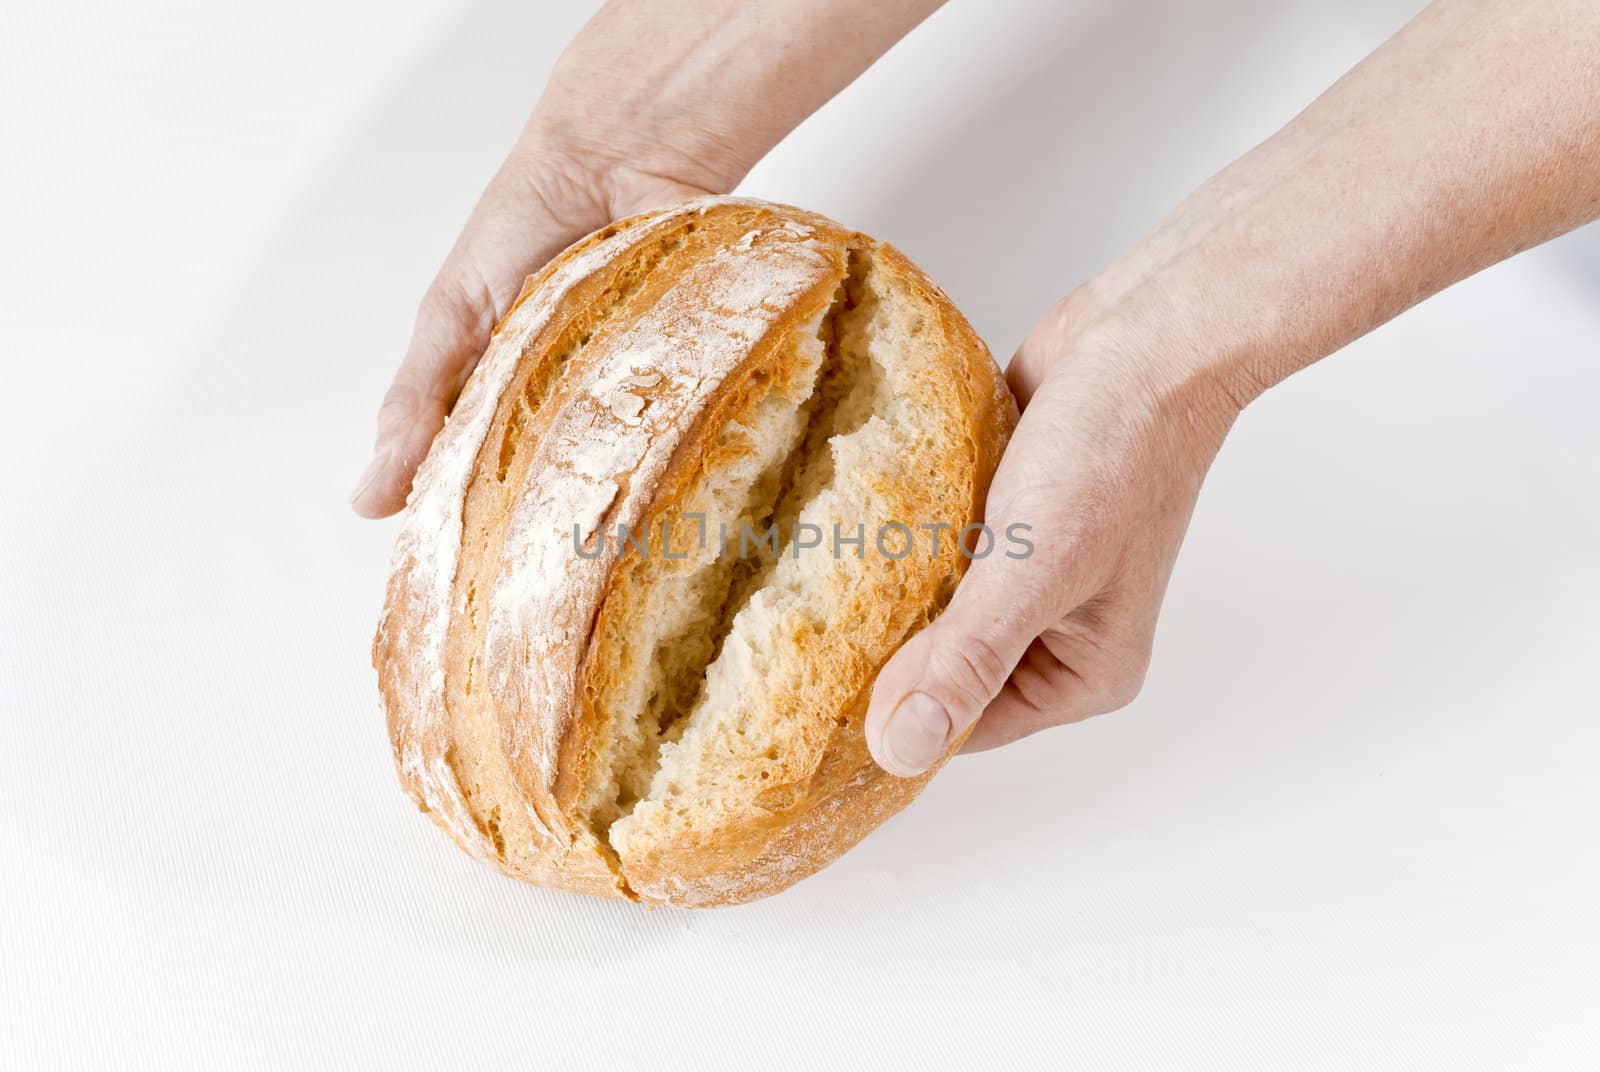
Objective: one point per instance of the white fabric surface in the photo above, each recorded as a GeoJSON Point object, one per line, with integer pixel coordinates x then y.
{"type": "Point", "coordinates": [1350, 822]}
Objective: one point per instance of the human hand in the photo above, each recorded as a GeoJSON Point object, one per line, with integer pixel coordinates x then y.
{"type": "Point", "coordinates": [1362, 206]}
{"type": "Point", "coordinates": [651, 103]}
{"type": "Point", "coordinates": [1115, 438]}
{"type": "Point", "coordinates": [545, 197]}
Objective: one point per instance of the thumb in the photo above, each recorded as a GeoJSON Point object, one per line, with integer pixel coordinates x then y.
{"type": "Point", "coordinates": [934, 688]}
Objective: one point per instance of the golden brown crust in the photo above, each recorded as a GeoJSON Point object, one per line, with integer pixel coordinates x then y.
{"type": "Point", "coordinates": [501, 468]}
{"type": "Point", "coordinates": [409, 651]}
{"type": "Point", "coordinates": [827, 795]}
{"type": "Point", "coordinates": [693, 457]}
{"type": "Point", "coordinates": [519, 745]}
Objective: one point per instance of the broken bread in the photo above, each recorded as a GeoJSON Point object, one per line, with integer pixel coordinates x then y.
{"type": "Point", "coordinates": [712, 470]}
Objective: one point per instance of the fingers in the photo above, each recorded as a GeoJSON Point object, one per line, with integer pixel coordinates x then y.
{"type": "Point", "coordinates": [538, 204]}
{"type": "Point", "coordinates": [452, 328]}
{"type": "Point", "coordinates": [1053, 636]}
{"type": "Point", "coordinates": [407, 422]}
{"type": "Point", "coordinates": [518, 224]}
{"type": "Point", "coordinates": [939, 682]}
{"type": "Point", "coordinates": [935, 687]}
{"type": "Point", "coordinates": [1067, 675]}
{"type": "Point", "coordinates": [1003, 675]}
{"type": "Point", "coordinates": [479, 280]}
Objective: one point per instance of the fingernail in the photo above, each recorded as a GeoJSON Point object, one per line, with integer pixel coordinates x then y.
{"type": "Point", "coordinates": [380, 462]}
{"type": "Point", "coordinates": [917, 733]}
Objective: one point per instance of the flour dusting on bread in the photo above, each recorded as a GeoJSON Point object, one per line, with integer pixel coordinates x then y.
{"type": "Point", "coordinates": [592, 466]}
{"type": "Point", "coordinates": [429, 545]}
{"type": "Point", "coordinates": [672, 721]}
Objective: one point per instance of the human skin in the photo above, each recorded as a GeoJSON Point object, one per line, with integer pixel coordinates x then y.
{"type": "Point", "coordinates": [1471, 135]}
{"type": "Point", "coordinates": [652, 102]}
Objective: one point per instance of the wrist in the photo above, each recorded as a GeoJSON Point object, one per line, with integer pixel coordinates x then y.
{"type": "Point", "coordinates": [1153, 345]}
{"type": "Point", "coordinates": [695, 94]}
{"type": "Point", "coordinates": [1106, 382]}
{"type": "Point", "coordinates": [620, 154]}
{"type": "Point", "coordinates": [579, 174]}
{"type": "Point", "coordinates": [649, 91]}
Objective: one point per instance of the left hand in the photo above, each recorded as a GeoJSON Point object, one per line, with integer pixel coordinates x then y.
{"type": "Point", "coordinates": [1104, 468]}
{"type": "Point", "coordinates": [1360, 207]}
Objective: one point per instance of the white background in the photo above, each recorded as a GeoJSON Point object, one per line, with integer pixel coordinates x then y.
{"type": "Point", "coordinates": [1350, 823]}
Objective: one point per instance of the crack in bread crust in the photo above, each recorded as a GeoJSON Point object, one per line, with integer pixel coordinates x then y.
{"type": "Point", "coordinates": [775, 743]}
{"type": "Point", "coordinates": [684, 731]}
{"type": "Point", "coordinates": [598, 451]}
{"type": "Point", "coordinates": [665, 617]}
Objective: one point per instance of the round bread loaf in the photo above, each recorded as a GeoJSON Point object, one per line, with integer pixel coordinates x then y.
{"type": "Point", "coordinates": [711, 471]}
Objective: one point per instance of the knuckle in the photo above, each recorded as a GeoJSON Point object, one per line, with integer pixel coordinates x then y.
{"type": "Point", "coordinates": [1072, 313]}
{"type": "Point", "coordinates": [454, 321]}
{"type": "Point", "coordinates": [1124, 684]}
{"type": "Point", "coordinates": [404, 405]}
{"type": "Point", "coordinates": [399, 402]}
{"type": "Point", "coordinates": [1028, 366]}
{"type": "Point", "coordinates": [458, 303]}
{"type": "Point", "coordinates": [973, 670]}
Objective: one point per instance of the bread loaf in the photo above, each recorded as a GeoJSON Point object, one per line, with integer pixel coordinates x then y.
{"type": "Point", "coordinates": [625, 650]}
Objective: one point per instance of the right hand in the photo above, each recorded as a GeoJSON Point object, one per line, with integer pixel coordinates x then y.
{"type": "Point", "coordinates": [542, 200]}
{"type": "Point", "coordinates": [651, 103]}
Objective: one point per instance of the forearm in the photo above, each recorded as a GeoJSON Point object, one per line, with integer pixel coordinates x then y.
{"type": "Point", "coordinates": [1470, 136]}
{"type": "Point", "coordinates": [1475, 133]}
{"type": "Point", "coordinates": [699, 92]}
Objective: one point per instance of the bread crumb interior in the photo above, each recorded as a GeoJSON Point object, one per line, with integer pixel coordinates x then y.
{"type": "Point", "coordinates": [687, 720]}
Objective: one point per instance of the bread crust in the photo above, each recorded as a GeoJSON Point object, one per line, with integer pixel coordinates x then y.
{"type": "Point", "coordinates": [409, 651]}
{"type": "Point", "coordinates": [599, 403]}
